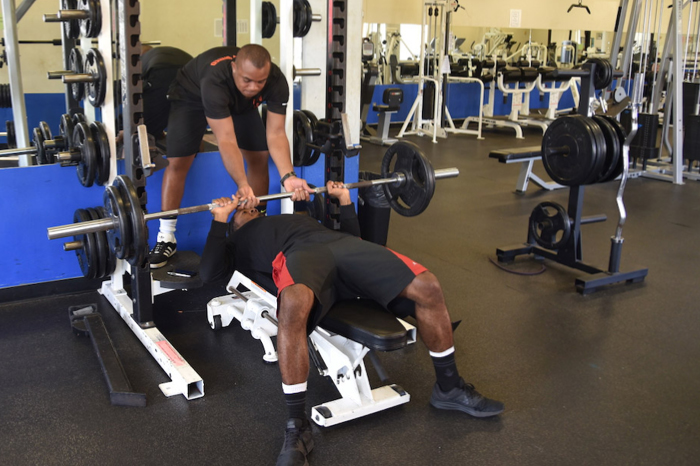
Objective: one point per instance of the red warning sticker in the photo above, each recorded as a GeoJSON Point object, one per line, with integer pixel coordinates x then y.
{"type": "Point", "coordinates": [171, 353]}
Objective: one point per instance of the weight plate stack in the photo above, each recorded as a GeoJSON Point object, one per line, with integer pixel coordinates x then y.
{"type": "Point", "coordinates": [99, 135]}
{"type": "Point", "coordinates": [87, 165]}
{"type": "Point", "coordinates": [75, 64]}
{"type": "Point", "coordinates": [412, 196]}
{"type": "Point", "coordinates": [95, 66]}
{"type": "Point", "coordinates": [571, 152]}
{"type": "Point", "coordinates": [38, 143]}
{"type": "Point", "coordinates": [91, 26]}
{"type": "Point", "coordinates": [269, 19]}
{"type": "Point", "coordinates": [139, 231]}
{"type": "Point", "coordinates": [65, 129]}
{"type": "Point", "coordinates": [71, 28]}
{"type": "Point", "coordinates": [119, 238]}
{"type": "Point", "coordinates": [613, 148]}
{"type": "Point", "coordinates": [101, 247]}
{"type": "Point", "coordinates": [87, 254]}
{"type": "Point", "coordinates": [11, 135]}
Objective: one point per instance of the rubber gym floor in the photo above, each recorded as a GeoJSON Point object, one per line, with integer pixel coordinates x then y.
{"type": "Point", "coordinates": [610, 378]}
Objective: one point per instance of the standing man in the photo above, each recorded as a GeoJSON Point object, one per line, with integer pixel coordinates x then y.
{"type": "Point", "coordinates": [223, 88]}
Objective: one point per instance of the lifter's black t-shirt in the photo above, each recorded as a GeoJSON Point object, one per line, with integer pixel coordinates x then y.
{"type": "Point", "coordinates": [208, 80]}
{"type": "Point", "coordinates": [255, 245]}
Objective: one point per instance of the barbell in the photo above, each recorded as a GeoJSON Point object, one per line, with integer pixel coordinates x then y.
{"type": "Point", "coordinates": [408, 182]}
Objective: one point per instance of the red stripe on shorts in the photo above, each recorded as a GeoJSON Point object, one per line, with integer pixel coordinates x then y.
{"type": "Point", "coordinates": [415, 267]}
{"type": "Point", "coordinates": [280, 274]}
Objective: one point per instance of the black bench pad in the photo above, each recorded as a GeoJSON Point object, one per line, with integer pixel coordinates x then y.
{"type": "Point", "coordinates": [366, 322]}
{"type": "Point", "coordinates": [516, 153]}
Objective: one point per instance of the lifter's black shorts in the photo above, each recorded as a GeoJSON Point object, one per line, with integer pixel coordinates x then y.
{"type": "Point", "coordinates": [187, 125]}
{"type": "Point", "coordinates": [345, 269]}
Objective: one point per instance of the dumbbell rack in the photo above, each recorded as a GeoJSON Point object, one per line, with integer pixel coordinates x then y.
{"type": "Point", "coordinates": [570, 254]}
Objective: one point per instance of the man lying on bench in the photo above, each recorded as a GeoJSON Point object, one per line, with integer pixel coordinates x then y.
{"type": "Point", "coordinates": [312, 267]}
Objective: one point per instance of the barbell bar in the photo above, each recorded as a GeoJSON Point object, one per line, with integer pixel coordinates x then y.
{"type": "Point", "coordinates": [93, 226]}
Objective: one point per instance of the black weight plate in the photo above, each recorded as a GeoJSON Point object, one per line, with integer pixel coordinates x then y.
{"type": "Point", "coordinates": [83, 142]}
{"type": "Point", "coordinates": [95, 66]}
{"type": "Point", "coordinates": [108, 254]}
{"type": "Point", "coordinates": [119, 238]}
{"type": "Point", "coordinates": [613, 151]}
{"type": "Point", "coordinates": [75, 64]}
{"type": "Point", "coordinates": [79, 118]}
{"type": "Point", "coordinates": [11, 135]}
{"type": "Point", "coordinates": [599, 150]}
{"type": "Point", "coordinates": [91, 26]}
{"type": "Point", "coordinates": [87, 255]}
{"type": "Point", "coordinates": [303, 134]}
{"type": "Point", "coordinates": [569, 153]}
{"type": "Point", "coordinates": [312, 154]}
{"type": "Point", "coordinates": [413, 196]}
{"type": "Point", "coordinates": [65, 129]}
{"type": "Point", "coordinates": [71, 28]}
{"type": "Point", "coordinates": [45, 130]}
{"type": "Point", "coordinates": [309, 18]}
{"type": "Point", "coordinates": [550, 225]}
{"type": "Point", "coordinates": [269, 19]}
{"type": "Point", "coordinates": [99, 135]}
{"type": "Point", "coordinates": [101, 247]}
{"type": "Point", "coordinates": [602, 76]}
{"type": "Point", "coordinates": [139, 232]}
{"type": "Point", "coordinates": [38, 143]}
{"type": "Point", "coordinates": [299, 21]}
{"type": "Point", "coordinates": [622, 135]}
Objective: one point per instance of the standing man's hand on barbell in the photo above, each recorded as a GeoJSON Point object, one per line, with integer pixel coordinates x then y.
{"type": "Point", "coordinates": [299, 187]}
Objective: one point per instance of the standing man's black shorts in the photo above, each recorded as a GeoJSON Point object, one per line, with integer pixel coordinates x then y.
{"type": "Point", "coordinates": [187, 125]}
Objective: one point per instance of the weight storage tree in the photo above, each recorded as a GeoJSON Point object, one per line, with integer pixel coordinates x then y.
{"type": "Point", "coordinates": [578, 150]}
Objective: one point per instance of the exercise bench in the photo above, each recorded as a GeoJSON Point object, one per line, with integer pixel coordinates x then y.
{"type": "Point", "coordinates": [349, 331]}
{"type": "Point", "coordinates": [526, 156]}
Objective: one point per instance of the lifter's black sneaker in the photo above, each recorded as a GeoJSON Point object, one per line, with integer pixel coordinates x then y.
{"type": "Point", "coordinates": [466, 399]}
{"type": "Point", "coordinates": [298, 442]}
{"type": "Point", "coordinates": [160, 254]}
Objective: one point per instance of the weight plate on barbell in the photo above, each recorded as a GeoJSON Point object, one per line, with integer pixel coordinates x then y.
{"type": "Point", "coordinates": [71, 28]}
{"type": "Point", "coordinates": [312, 154]}
{"type": "Point", "coordinates": [45, 130]}
{"type": "Point", "coordinates": [75, 64]}
{"type": "Point", "coordinates": [65, 129]}
{"type": "Point", "coordinates": [87, 165]}
{"type": "Point", "coordinates": [111, 258]}
{"type": "Point", "coordinates": [101, 247]}
{"type": "Point", "coordinates": [269, 19]}
{"type": "Point", "coordinates": [599, 147]}
{"type": "Point", "coordinates": [38, 142]}
{"type": "Point", "coordinates": [79, 118]}
{"type": "Point", "coordinates": [413, 195]}
{"type": "Point", "coordinates": [119, 238]}
{"type": "Point", "coordinates": [91, 26]}
{"type": "Point", "coordinates": [613, 150]}
{"type": "Point", "coordinates": [87, 255]}
{"type": "Point", "coordinates": [95, 66]}
{"type": "Point", "coordinates": [139, 231]}
{"type": "Point", "coordinates": [550, 225]}
{"type": "Point", "coordinates": [621, 135]}
{"type": "Point", "coordinates": [569, 150]}
{"type": "Point", "coordinates": [99, 135]}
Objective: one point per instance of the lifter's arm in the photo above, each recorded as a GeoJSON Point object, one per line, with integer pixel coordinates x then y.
{"type": "Point", "coordinates": [348, 216]}
{"type": "Point", "coordinates": [217, 257]}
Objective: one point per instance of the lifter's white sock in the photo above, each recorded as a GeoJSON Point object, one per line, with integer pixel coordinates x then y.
{"type": "Point", "coordinates": [167, 230]}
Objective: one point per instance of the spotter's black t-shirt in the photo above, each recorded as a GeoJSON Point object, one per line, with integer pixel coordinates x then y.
{"type": "Point", "coordinates": [208, 80]}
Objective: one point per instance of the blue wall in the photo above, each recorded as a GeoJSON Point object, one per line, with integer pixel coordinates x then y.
{"type": "Point", "coordinates": [33, 199]}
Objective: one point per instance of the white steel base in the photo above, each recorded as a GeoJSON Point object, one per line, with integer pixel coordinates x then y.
{"type": "Point", "coordinates": [343, 358]}
{"type": "Point", "coordinates": [342, 410]}
{"type": "Point", "coordinates": [184, 380]}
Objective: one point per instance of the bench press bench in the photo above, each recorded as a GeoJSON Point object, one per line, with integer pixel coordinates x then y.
{"type": "Point", "coordinates": [526, 156]}
{"type": "Point", "coordinates": [349, 331]}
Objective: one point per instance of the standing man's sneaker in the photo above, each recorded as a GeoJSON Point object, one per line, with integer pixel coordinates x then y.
{"type": "Point", "coordinates": [298, 442]}
{"type": "Point", "coordinates": [465, 398]}
{"type": "Point", "coordinates": [162, 251]}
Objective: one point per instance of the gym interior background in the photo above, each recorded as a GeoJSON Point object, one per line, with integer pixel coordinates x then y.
{"type": "Point", "coordinates": [609, 377]}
